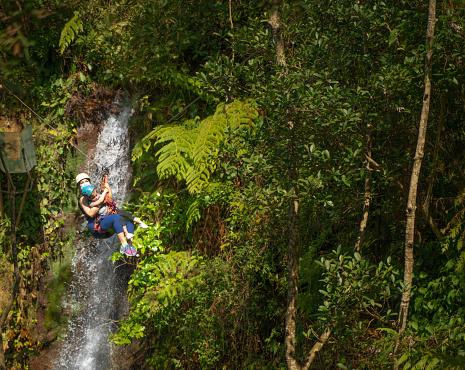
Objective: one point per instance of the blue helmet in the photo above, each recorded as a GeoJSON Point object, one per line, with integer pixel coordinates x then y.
{"type": "Point", "coordinates": [87, 190]}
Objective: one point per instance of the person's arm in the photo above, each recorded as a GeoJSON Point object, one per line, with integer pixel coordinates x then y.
{"type": "Point", "coordinates": [100, 200]}
{"type": "Point", "coordinates": [89, 211]}
{"type": "Point", "coordinates": [107, 187]}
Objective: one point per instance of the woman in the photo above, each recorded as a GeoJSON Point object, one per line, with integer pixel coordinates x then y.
{"type": "Point", "coordinates": [109, 224]}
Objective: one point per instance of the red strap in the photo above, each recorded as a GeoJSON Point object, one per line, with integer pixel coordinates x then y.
{"type": "Point", "coordinates": [98, 228]}
{"type": "Point", "coordinates": [111, 204]}
{"type": "Point", "coordinates": [97, 225]}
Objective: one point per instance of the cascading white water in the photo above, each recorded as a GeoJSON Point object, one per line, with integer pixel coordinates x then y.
{"type": "Point", "coordinates": [98, 290]}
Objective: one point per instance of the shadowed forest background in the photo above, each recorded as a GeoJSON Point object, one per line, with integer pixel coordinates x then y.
{"type": "Point", "coordinates": [273, 147]}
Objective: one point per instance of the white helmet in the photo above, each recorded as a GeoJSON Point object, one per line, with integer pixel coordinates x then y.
{"type": "Point", "coordinates": [82, 176]}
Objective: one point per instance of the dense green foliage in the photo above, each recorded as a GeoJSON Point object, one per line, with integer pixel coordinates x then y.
{"type": "Point", "coordinates": [225, 138]}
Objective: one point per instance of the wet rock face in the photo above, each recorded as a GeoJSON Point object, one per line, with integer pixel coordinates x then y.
{"type": "Point", "coordinates": [87, 137]}
{"type": "Point", "coordinates": [92, 106]}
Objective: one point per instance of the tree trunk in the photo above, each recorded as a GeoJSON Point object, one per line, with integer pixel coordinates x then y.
{"type": "Point", "coordinates": [318, 345]}
{"type": "Point", "coordinates": [2, 211]}
{"type": "Point", "coordinates": [277, 30]}
{"type": "Point", "coordinates": [294, 228]}
{"type": "Point", "coordinates": [367, 195]}
{"type": "Point", "coordinates": [412, 197]}
{"type": "Point", "coordinates": [425, 208]}
{"type": "Point", "coordinates": [292, 283]}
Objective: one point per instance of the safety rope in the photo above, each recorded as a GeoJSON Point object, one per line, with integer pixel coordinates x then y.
{"type": "Point", "coordinates": [211, 85]}
{"type": "Point", "coordinates": [53, 129]}
{"type": "Point", "coordinates": [158, 128]}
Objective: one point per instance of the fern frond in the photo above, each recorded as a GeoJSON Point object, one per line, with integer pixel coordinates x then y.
{"type": "Point", "coordinates": [69, 32]}
{"type": "Point", "coordinates": [211, 134]}
{"type": "Point", "coordinates": [403, 358]}
{"type": "Point", "coordinates": [189, 148]}
{"type": "Point", "coordinates": [193, 214]}
{"type": "Point", "coordinates": [174, 156]}
{"type": "Point", "coordinates": [240, 115]}
{"type": "Point", "coordinates": [421, 364]}
{"type": "Point", "coordinates": [177, 271]}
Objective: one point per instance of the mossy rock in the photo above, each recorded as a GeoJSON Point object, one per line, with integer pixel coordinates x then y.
{"type": "Point", "coordinates": [56, 320]}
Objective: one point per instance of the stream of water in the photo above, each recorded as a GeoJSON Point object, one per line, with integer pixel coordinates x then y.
{"type": "Point", "coordinates": [97, 295]}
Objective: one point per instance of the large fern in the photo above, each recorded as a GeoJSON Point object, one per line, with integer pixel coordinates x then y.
{"type": "Point", "coordinates": [190, 148]}
{"type": "Point", "coordinates": [70, 31]}
{"type": "Point", "coordinates": [174, 157]}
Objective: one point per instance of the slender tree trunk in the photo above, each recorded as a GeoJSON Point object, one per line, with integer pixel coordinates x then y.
{"type": "Point", "coordinates": [425, 208]}
{"type": "Point", "coordinates": [294, 204]}
{"type": "Point", "coordinates": [294, 209]}
{"type": "Point", "coordinates": [317, 347]}
{"type": "Point", "coordinates": [294, 228]}
{"type": "Point", "coordinates": [277, 29]}
{"type": "Point", "coordinates": [412, 197]}
{"type": "Point", "coordinates": [367, 195]}
{"type": "Point", "coordinates": [292, 283]}
{"type": "Point", "coordinates": [14, 253]}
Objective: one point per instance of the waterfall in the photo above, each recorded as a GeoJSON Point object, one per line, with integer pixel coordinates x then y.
{"type": "Point", "coordinates": [97, 295]}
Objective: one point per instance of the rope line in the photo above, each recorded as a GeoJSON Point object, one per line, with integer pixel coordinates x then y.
{"type": "Point", "coordinates": [212, 85]}
{"type": "Point", "coordinates": [43, 120]}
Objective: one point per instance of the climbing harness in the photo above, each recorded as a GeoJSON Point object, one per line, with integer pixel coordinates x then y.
{"type": "Point", "coordinates": [103, 234]}
{"type": "Point", "coordinates": [97, 224]}
{"type": "Point", "coordinates": [110, 203]}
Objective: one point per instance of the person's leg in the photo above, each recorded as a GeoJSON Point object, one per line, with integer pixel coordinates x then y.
{"type": "Point", "coordinates": [126, 215]}
{"type": "Point", "coordinates": [122, 239]}
{"type": "Point", "coordinates": [125, 229]}
{"type": "Point", "coordinates": [141, 224]}
{"type": "Point", "coordinates": [130, 234]}
{"type": "Point", "coordinates": [90, 226]}
{"type": "Point", "coordinates": [131, 218]}
{"type": "Point", "coordinates": [127, 234]}
{"type": "Point", "coordinates": [114, 221]}
{"type": "Point", "coordinates": [130, 227]}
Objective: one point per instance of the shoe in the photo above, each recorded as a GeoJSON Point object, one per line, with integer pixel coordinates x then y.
{"type": "Point", "coordinates": [128, 251]}
{"type": "Point", "coordinates": [129, 236]}
{"type": "Point", "coordinates": [143, 225]}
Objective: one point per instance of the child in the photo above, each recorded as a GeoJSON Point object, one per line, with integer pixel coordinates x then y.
{"type": "Point", "coordinates": [108, 206]}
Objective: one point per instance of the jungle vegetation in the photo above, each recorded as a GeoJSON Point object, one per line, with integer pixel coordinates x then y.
{"type": "Point", "coordinates": [300, 162]}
